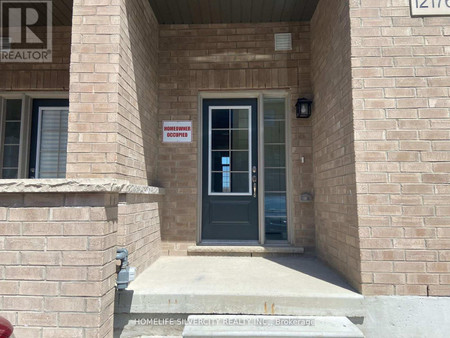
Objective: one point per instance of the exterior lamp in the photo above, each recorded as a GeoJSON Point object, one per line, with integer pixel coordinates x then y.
{"type": "Point", "coordinates": [303, 108]}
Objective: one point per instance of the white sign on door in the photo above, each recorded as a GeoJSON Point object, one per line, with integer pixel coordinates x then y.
{"type": "Point", "coordinates": [177, 131]}
{"type": "Point", "coordinates": [430, 7]}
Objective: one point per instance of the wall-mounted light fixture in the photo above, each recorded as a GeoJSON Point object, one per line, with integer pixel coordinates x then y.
{"type": "Point", "coordinates": [303, 108]}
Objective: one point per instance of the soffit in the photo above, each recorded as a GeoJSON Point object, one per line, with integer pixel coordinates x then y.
{"type": "Point", "coordinates": [232, 11]}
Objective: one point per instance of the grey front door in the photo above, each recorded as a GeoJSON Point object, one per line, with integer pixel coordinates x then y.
{"type": "Point", "coordinates": [230, 159]}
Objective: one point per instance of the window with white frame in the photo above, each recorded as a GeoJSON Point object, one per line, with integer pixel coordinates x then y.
{"type": "Point", "coordinates": [11, 123]}
{"type": "Point", "coordinates": [33, 137]}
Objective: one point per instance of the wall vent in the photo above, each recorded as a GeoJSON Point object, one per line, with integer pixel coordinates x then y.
{"type": "Point", "coordinates": [283, 41]}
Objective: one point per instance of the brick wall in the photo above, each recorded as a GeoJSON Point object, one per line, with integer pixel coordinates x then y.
{"type": "Point", "coordinates": [333, 142]}
{"type": "Point", "coordinates": [401, 80]}
{"type": "Point", "coordinates": [139, 228]}
{"type": "Point", "coordinates": [58, 263]}
{"type": "Point", "coordinates": [112, 129]}
{"type": "Point", "coordinates": [58, 249]}
{"type": "Point", "coordinates": [41, 76]}
{"type": "Point", "coordinates": [138, 85]}
{"type": "Point", "coordinates": [217, 57]}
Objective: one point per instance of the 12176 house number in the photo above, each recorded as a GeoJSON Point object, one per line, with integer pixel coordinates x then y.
{"type": "Point", "coordinates": [430, 7]}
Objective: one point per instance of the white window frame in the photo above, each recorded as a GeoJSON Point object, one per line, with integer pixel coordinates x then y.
{"type": "Point", "coordinates": [39, 135]}
{"type": "Point", "coordinates": [25, 127]}
{"type": "Point", "coordinates": [25, 131]}
{"type": "Point", "coordinates": [210, 192]}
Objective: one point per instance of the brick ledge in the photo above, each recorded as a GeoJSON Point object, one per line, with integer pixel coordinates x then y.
{"type": "Point", "coordinates": [87, 185]}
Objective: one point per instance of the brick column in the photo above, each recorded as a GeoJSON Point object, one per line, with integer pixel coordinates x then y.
{"type": "Point", "coordinates": [113, 91]}
{"type": "Point", "coordinates": [94, 75]}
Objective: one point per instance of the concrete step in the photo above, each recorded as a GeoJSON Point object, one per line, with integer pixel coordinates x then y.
{"type": "Point", "coordinates": [244, 251]}
{"type": "Point", "coordinates": [199, 326]}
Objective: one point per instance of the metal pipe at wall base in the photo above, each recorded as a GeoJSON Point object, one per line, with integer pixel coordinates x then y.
{"type": "Point", "coordinates": [122, 254]}
{"type": "Point", "coordinates": [126, 273]}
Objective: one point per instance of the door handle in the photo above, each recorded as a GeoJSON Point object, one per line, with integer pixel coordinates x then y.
{"type": "Point", "coordinates": [254, 180]}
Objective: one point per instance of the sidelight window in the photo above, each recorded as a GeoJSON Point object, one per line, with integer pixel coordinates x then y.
{"type": "Point", "coordinates": [275, 206]}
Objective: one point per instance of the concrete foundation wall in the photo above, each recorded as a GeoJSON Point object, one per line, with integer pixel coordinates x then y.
{"type": "Point", "coordinates": [401, 80]}
{"type": "Point", "coordinates": [41, 76]}
{"type": "Point", "coordinates": [405, 317]}
{"type": "Point", "coordinates": [222, 57]}
{"type": "Point", "coordinates": [333, 143]}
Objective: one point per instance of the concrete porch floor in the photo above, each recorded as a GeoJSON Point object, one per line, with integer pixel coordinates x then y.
{"type": "Point", "coordinates": [288, 285]}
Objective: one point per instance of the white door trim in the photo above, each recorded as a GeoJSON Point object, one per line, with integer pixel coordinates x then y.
{"type": "Point", "coordinates": [259, 95]}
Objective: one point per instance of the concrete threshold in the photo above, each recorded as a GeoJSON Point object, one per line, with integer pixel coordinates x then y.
{"type": "Point", "coordinates": [240, 250]}
{"type": "Point", "coordinates": [239, 285]}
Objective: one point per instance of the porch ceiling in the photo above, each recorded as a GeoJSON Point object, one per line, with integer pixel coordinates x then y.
{"type": "Point", "coordinates": [232, 11]}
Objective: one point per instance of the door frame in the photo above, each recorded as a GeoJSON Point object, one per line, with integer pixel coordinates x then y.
{"type": "Point", "coordinates": [259, 95]}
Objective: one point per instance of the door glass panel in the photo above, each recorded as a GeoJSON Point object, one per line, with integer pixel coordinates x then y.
{"type": "Point", "coordinates": [220, 182]}
{"type": "Point", "coordinates": [230, 150]}
{"type": "Point", "coordinates": [239, 139]}
{"type": "Point", "coordinates": [240, 161]}
{"type": "Point", "coordinates": [239, 118]}
{"type": "Point", "coordinates": [275, 210]}
{"type": "Point", "coordinates": [220, 139]}
{"type": "Point", "coordinates": [218, 159]}
{"type": "Point", "coordinates": [220, 119]}
{"type": "Point", "coordinates": [239, 182]}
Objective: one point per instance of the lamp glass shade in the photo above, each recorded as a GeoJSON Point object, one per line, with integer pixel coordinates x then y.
{"type": "Point", "coordinates": [303, 108]}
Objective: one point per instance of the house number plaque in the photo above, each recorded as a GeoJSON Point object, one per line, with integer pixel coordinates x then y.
{"type": "Point", "coordinates": [430, 7]}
